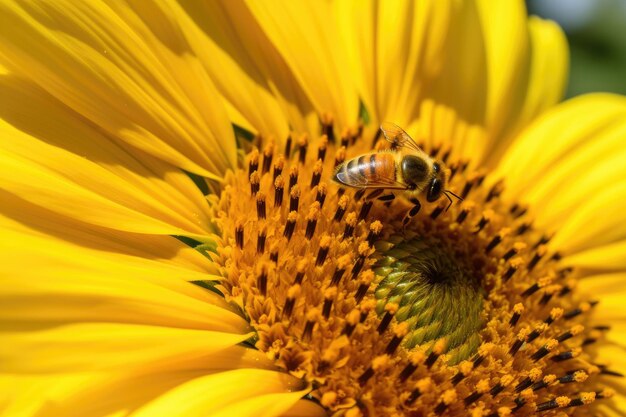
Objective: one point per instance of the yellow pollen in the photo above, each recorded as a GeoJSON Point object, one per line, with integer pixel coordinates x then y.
{"type": "Point", "coordinates": [506, 380]}
{"type": "Point", "coordinates": [518, 308]}
{"type": "Point", "coordinates": [535, 374]}
{"type": "Point", "coordinates": [478, 411]}
{"type": "Point", "coordinates": [314, 211]}
{"type": "Point", "coordinates": [488, 214]}
{"type": "Point", "coordinates": [365, 250]}
{"type": "Point", "coordinates": [520, 246]}
{"type": "Point", "coordinates": [376, 226]}
{"type": "Point", "coordinates": [344, 261]}
{"type": "Point", "coordinates": [483, 386]}
{"type": "Point", "coordinates": [353, 317]}
{"type": "Point", "coordinates": [527, 395]}
{"type": "Point", "coordinates": [354, 412]}
{"type": "Point", "coordinates": [465, 367]}
{"type": "Point", "coordinates": [367, 277]}
{"type": "Point", "coordinates": [608, 392]}
{"type": "Point", "coordinates": [549, 379]}
{"type": "Point", "coordinates": [368, 305]}
{"type": "Point", "coordinates": [328, 399]}
{"type": "Point", "coordinates": [556, 313]}
{"type": "Point", "coordinates": [330, 292]}
{"type": "Point", "coordinates": [485, 349]}
{"type": "Point", "coordinates": [587, 397]}
{"type": "Point", "coordinates": [522, 334]}
{"type": "Point", "coordinates": [279, 182]}
{"type": "Point", "coordinates": [545, 281]}
{"type": "Point", "coordinates": [504, 412]}
{"type": "Point", "coordinates": [552, 344]}
{"type": "Point", "coordinates": [542, 250]}
{"type": "Point", "coordinates": [424, 385]}
{"type": "Point", "coordinates": [380, 362]}
{"type": "Point", "coordinates": [517, 262]}
{"type": "Point", "coordinates": [563, 401]}
{"type": "Point", "coordinates": [449, 397]}
{"type": "Point", "coordinates": [303, 140]}
{"type": "Point", "coordinates": [333, 351]}
{"type": "Point", "coordinates": [401, 329]}
{"type": "Point", "coordinates": [294, 291]}
{"type": "Point", "coordinates": [417, 357]}
{"type": "Point", "coordinates": [313, 315]}
{"type": "Point", "coordinates": [391, 308]}
{"type": "Point", "coordinates": [317, 169]}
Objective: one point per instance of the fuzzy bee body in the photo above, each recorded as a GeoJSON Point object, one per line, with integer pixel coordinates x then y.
{"type": "Point", "coordinates": [405, 167]}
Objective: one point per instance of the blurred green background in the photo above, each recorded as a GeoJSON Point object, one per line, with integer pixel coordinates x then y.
{"type": "Point", "coordinates": [596, 32]}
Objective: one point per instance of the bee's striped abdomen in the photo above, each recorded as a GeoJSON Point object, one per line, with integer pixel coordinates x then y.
{"type": "Point", "coordinates": [367, 170]}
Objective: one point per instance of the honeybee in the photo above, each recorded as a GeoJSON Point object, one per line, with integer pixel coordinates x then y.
{"type": "Point", "coordinates": [405, 167]}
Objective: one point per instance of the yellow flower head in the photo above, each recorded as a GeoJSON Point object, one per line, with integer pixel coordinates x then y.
{"type": "Point", "coordinates": [201, 216]}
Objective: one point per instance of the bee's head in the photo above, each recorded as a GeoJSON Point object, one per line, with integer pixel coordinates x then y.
{"type": "Point", "coordinates": [437, 183]}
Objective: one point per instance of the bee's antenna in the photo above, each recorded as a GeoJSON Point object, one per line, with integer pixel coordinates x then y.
{"type": "Point", "coordinates": [446, 192]}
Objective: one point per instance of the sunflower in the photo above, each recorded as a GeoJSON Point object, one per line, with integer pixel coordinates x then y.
{"type": "Point", "coordinates": [174, 244]}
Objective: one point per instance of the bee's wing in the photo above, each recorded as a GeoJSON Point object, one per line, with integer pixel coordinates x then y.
{"type": "Point", "coordinates": [361, 181]}
{"type": "Point", "coordinates": [398, 137]}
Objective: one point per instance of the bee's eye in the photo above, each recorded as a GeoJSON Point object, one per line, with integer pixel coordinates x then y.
{"type": "Point", "coordinates": [434, 191]}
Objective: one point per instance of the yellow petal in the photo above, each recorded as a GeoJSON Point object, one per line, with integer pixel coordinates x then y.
{"type": "Point", "coordinates": [497, 71]}
{"type": "Point", "coordinates": [605, 257]}
{"type": "Point", "coordinates": [272, 405]}
{"type": "Point", "coordinates": [144, 89]}
{"type": "Point", "coordinates": [53, 158]}
{"type": "Point", "coordinates": [595, 222]}
{"type": "Point", "coordinates": [103, 346]}
{"type": "Point", "coordinates": [565, 128]}
{"type": "Point", "coordinates": [504, 28]}
{"type": "Point", "coordinates": [304, 34]}
{"type": "Point", "coordinates": [262, 93]}
{"type": "Point", "coordinates": [24, 395]}
{"type": "Point", "coordinates": [395, 50]}
{"type": "Point", "coordinates": [542, 85]}
{"type": "Point", "coordinates": [242, 392]}
{"type": "Point", "coordinates": [111, 393]}
{"type": "Point", "coordinates": [74, 298]}
{"type": "Point", "coordinates": [568, 166]}
{"type": "Point", "coordinates": [609, 290]}
{"type": "Point", "coordinates": [66, 282]}
{"type": "Point", "coordinates": [616, 406]}
{"type": "Point", "coordinates": [25, 219]}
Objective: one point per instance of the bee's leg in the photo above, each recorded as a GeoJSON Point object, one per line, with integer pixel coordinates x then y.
{"type": "Point", "coordinates": [359, 194]}
{"type": "Point", "coordinates": [367, 203]}
{"type": "Point", "coordinates": [414, 210]}
{"type": "Point", "coordinates": [374, 194]}
{"type": "Point", "coordinates": [387, 198]}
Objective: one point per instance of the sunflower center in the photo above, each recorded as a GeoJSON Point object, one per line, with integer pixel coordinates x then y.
{"type": "Point", "coordinates": [436, 293]}
{"type": "Point", "coordinates": [464, 309]}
